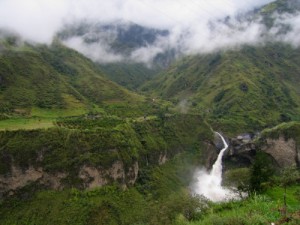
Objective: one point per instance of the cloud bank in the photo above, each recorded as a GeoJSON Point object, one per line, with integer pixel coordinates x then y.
{"type": "Point", "coordinates": [195, 26]}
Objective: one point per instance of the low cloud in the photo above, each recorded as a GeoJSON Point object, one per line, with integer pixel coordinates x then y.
{"type": "Point", "coordinates": [195, 26]}
{"type": "Point", "coordinates": [39, 20]}
{"type": "Point", "coordinates": [219, 35]}
{"type": "Point", "coordinates": [98, 51]}
{"type": "Point", "coordinates": [287, 28]}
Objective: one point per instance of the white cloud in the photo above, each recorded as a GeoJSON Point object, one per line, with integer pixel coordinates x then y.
{"type": "Point", "coordinates": [96, 51]}
{"type": "Point", "coordinates": [193, 24]}
{"type": "Point", "coordinates": [287, 28]}
{"type": "Point", "coordinates": [40, 19]}
{"type": "Point", "coordinates": [34, 20]}
{"type": "Point", "coordinates": [205, 38]}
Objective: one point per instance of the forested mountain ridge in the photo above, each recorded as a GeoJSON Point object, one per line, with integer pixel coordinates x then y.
{"type": "Point", "coordinates": [255, 86]}
{"type": "Point", "coordinates": [121, 49]}
{"type": "Point", "coordinates": [56, 77]}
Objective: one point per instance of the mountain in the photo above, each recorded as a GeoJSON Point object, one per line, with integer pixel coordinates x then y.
{"type": "Point", "coordinates": [111, 156]}
{"type": "Point", "coordinates": [122, 37]}
{"type": "Point", "coordinates": [246, 87]}
{"type": "Point", "coordinates": [131, 75]}
{"type": "Point", "coordinates": [128, 53]}
{"type": "Point", "coordinates": [280, 6]}
{"type": "Point", "coordinates": [54, 77]}
{"type": "Point", "coordinates": [250, 87]}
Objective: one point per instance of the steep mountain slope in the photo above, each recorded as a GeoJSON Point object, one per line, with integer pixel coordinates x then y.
{"type": "Point", "coordinates": [129, 75]}
{"type": "Point", "coordinates": [249, 87]}
{"type": "Point", "coordinates": [53, 77]}
{"type": "Point", "coordinates": [123, 37]}
{"type": "Point", "coordinates": [123, 50]}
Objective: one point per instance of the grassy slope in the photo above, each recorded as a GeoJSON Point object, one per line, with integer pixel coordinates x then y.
{"type": "Point", "coordinates": [248, 88]}
{"type": "Point", "coordinates": [41, 83]}
{"type": "Point", "coordinates": [260, 209]}
{"type": "Point", "coordinates": [54, 77]}
{"type": "Point", "coordinates": [129, 75]}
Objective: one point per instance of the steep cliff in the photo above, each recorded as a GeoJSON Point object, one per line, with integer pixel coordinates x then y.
{"type": "Point", "coordinates": [61, 157]}
{"type": "Point", "coordinates": [281, 143]}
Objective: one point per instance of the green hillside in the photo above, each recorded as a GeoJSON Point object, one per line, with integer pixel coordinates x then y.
{"type": "Point", "coordinates": [129, 75]}
{"type": "Point", "coordinates": [78, 148]}
{"type": "Point", "coordinates": [40, 83]}
{"type": "Point", "coordinates": [183, 138]}
{"type": "Point", "coordinates": [248, 88]}
{"type": "Point", "coordinates": [54, 77]}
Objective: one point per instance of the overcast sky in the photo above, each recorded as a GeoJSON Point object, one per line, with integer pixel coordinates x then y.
{"type": "Point", "coordinates": [40, 19]}
{"type": "Point", "coordinates": [192, 24]}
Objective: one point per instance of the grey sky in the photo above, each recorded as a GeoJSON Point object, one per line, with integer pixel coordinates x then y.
{"type": "Point", "coordinates": [40, 19]}
{"type": "Point", "coordinates": [187, 20]}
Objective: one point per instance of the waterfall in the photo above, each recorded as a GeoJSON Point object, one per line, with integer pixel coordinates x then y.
{"type": "Point", "coordinates": [217, 167]}
{"type": "Point", "coordinates": [209, 184]}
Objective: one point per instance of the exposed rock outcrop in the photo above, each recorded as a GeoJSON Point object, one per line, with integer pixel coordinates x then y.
{"type": "Point", "coordinates": [19, 178]}
{"type": "Point", "coordinates": [283, 151]}
{"type": "Point", "coordinates": [91, 176]}
{"type": "Point", "coordinates": [162, 158]}
{"type": "Point", "coordinates": [96, 177]}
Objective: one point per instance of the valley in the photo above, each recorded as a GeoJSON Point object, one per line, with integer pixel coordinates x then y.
{"type": "Point", "coordinates": [124, 120]}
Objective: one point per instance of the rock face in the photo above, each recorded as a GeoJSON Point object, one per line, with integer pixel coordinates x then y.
{"type": "Point", "coordinates": [242, 147]}
{"type": "Point", "coordinates": [96, 177]}
{"type": "Point", "coordinates": [210, 155]}
{"type": "Point", "coordinates": [91, 177]}
{"type": "Point", "coordinates": [284, 151]}
{"type": "Point", "coordinates": [162, 158]}
{"type": "Point", "coordinates": [241, 151]}
{"type": "Point", "coordinates": [19, 178]}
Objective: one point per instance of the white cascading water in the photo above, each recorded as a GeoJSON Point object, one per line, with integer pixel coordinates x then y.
{"type": "Point", "coordinates": [209, 184]}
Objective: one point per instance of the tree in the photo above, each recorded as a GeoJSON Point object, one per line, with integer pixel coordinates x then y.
{"type": "Point", "coordinates": [261, 171]}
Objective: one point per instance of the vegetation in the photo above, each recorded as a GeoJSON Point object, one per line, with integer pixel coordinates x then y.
{"type": "Point", "coordinates": [131, 75]}
{"type": "Point", "coordinates": [162, 199]}
{"type": "Point", "coordinates": [246, 89]}
{"type": "Point", "coordinates": [60, 113]}
{"type": "Point", "coordinates": [100, 142]}
{"type": "Point", "coordinates": [286, 130]}
{"type": "Point", "coordinates": [159, 196]}
{"type": "Point", "coordinates": [259, 209]}
{"type": "Point", "coordinates": [41, 78]}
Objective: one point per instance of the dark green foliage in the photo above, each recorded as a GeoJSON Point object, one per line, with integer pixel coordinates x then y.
{"type": "Point", "coordinates": [159, 200]}
{"type": "Point", "coordinates": [250, 88]}
{"type": "Point", "coordinates": [67, 150]}
{"type": "Point", "coordinates": [100, 142]}
{"type": "Point", "coordinates": [107, 205]}
{"type": "Point", "coordinates": [219, 96]}
{"type": "Point", "coordinates": [129, 75]}
{"type": "Point", "coordinates": [290, 130]}
{"type": "Point", "coordinates": [89, 122]}
{"type": "Point", "coordinates": [261, 172]}
{"type": "Point", "coordinates": [28, 82]}
{"type": "Point", "coordinates": [159, 195]}
{"type": "Point", "coordinates": [55, 77]}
